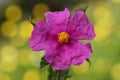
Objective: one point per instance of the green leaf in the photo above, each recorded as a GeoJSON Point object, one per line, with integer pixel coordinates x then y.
{"type": "Point", "coordinates": [51, 73]}
{"type": "Point", "coordinates": [65, 74]}
{"type": "Point", "coordinates": [83, 9]}
{"type": "Point", "coordinates": [31, 22]}
{"type": "Point", "coordinates": [43, 62]}
{"type": "Point", "coordinates": [89, 62]}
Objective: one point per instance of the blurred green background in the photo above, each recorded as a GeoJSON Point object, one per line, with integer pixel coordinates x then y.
{"type": "Point", "coordinates": [19, 62]}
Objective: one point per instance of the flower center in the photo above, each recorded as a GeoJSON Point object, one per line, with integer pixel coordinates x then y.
{"type": "Point", "coordinates": [63, 37]}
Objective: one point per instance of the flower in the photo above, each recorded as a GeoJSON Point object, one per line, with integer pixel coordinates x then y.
{"type": "Point", "coordinates": [59, 36]}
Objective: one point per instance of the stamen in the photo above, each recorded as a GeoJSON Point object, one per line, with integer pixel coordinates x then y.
{"type": "Point", "coordinates": [63, 37]}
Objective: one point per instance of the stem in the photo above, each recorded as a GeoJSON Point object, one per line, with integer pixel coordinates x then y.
{"type": "Point", "coordinates": [58, 75]}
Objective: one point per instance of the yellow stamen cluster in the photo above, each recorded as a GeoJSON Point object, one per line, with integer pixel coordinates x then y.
{"type": "Point", "coordinates": [63, 37]}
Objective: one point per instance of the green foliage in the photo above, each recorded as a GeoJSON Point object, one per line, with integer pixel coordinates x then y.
{"type": "Point", "coordinates": [43, 62]}
{"type": "Point", "coordinates": [31, 22]}
{"type": "Point", "coordinates": [51, 74]}
{"type": "Point", "coordinates": [65, 74]}
{"type": "Point", "coordinates": [89, 62]}
{"type": "Point", "coordinates": [84, 9]}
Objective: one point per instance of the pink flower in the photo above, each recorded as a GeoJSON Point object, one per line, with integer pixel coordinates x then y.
{"type": "Point", "coordinates": [59, 36]}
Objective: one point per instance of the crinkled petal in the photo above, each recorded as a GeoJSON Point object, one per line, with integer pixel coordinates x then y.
{"type": "Point", "coordinates": [57, 17]}
{"type": "Point", "coordinates": [83, 52]}
{"type": "Point", "coordinates": [57, 21]}
{"type": "Point", "coordinates": [39, 36]}
{"type": "Point", "coordinates": [62, 56]}
{"type": "Point", "coordinates": [50, 51]}
{"type": "Point", "coordinates": [80, 27]}
{"type": "Point", "coordinates": [57, 57]}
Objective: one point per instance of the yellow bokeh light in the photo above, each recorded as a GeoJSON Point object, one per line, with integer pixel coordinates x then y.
{"type": "Point", "coordinates": [39, 10]}
{"type": "Point", "coordinates": [4, 77]}
{"type": "Point", "coordinates": [38, 18]}
{"type": "Point", "coordinates": [82, 69]}
{"type": "Point", "coordinates": [18, 41]}
{"type": "Point", "coordinates": [102, 32]}
{"type": "Point", "coordinates": [98, 12]}
{"type": "Point", "coordinates": [26, 29]}
{"type": "Point", "coordinates": [8, 29]}
{"type": "Point", "coordinates": [24, 57]}
{"type": "Point", "coordinates": [9, 58]}
{"type": "Point", "coordinates": [103, 22]}
{"type": "Point", "coordinates": [13, 13]}
{"type": "Point", "coordinates": [102, 65]}
{"type": "Point", "coordinates": [116, 71]}
{"type": "Point", "coordinates": [31, 75]}
{"type": "Point", "coordinates": [116, 1]}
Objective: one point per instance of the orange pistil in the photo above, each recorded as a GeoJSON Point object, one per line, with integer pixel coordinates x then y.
{"type": "Point", "coordinates": [63, 37]}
